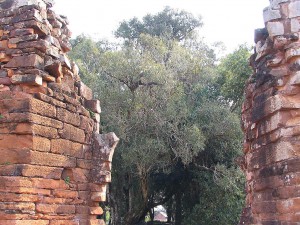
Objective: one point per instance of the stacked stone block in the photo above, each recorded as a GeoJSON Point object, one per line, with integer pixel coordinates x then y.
{"type": "Point", "coordinates": [271, 120]}
{"type": "Point", "coordinates": [54, 164]}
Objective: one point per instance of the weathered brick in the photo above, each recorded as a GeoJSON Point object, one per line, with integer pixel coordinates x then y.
{"type": "Point", "coordinates": [54, 69]}
{"type": "Point", "coordinates": [85, 91]}
{"type": "Point", "coordinates": [11, 197]}
{"type": "Point", "coordinates": [10, 156]}
{"type": "Point", "coordinates": [93, 105]}
{"type": "Point", "coordinates": [41, 171]}
{"type": "Point", "coordinates": [86, 123]}
{"type": "Point", "coordinates": [21, 32]}
{"type": "Point", "coordinates": [49, 159]}
{"type": "Point", "coordinates": [18, 207]}
{"type": "Point", "coordinates": [26, 61]}
{"type": "Point", "coordinates": [67, 147]}
{"type": "Point", "coordinates": [24, 222]}
{"type": "Point", "coordinates": [38, 27]}
{"type": "Point", "coordinates": [5, 81]}
{"type": "Point", "coordinates": [29, 79]}
{"type": "Point", "coordinates": [77, 175]}
{"type": "Point", "coordinates": [65, 194]}
{"type": "Point", "coordinates": [72, 133]}
{"type": "Point", "coordinates": [65, 222]}
{"type": "Point", "coordinates": [42, 108]}
{"type": "Point", "coordinates": [48, 183]}
{"type": "Point", "coordinates": [68, 117]}
{"type": "Point", "coordinates": [83, 163]}
{"type": "Point", "coordinates": [55, 209]}
{"type": "Point", "coordinates": [96, 222]}
{"type": "Point", "coordinates": [98, 196]}
{"type": "Point", "coordinates": [96, 211]}
{"type": "Point", "coordinates": [25, 190]}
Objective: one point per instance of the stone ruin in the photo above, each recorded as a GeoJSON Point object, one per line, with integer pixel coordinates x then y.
{"type": "Point", "coordinates": [54, 164]}
{"type": "Point", "coordinates": [271, 120]}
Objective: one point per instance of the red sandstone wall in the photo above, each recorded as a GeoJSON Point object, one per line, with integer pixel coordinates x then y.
{"type": "Point", "coordinates": [271, 120]}
{"type": "Point", "coordinates": [54, 164]}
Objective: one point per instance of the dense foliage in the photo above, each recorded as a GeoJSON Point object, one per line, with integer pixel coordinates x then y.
{"type": "Point", "coordinates": [168, 102]}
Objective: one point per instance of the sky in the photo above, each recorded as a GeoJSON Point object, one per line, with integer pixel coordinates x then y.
{"type": "Point", "coordinates": [230, 21]}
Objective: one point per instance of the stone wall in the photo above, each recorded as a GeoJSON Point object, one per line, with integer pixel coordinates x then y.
{"type": "Point", "coordinates": [54, 164]}
{"type": "Point", "coordinates": [271, 120]}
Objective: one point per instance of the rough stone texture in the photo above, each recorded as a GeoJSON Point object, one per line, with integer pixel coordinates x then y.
{"type": "Point", "coordinates": [271, 121]}
{"type": "Point", "coordinates": [54, 164]}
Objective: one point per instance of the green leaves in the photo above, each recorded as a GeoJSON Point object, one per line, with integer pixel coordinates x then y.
{"type": "Point", "coordinates": [168, 102]}
{"type": "Point", "coordinates": [170, 24]}
{"type": "Point", "coordinates": [234, 70]}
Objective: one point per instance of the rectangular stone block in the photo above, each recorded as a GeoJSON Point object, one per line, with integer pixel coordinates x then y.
{"type": "Point", "coordinates": [25, 190]}
{"type": "Point", "coordinates": [96, 222]}
{"type": "Point", "coordinates": [86, 124]}
{"type": "Point", "coordinates": [77, 175]}
{"type": "Point", "coordinates": [39, 28]}
{"type": "Point", "coordinates": [24, 222]}
{"type": "Point", "coordinates": [72, 133]}
{"type": "Point", "coordinates": [5, 81]}
{"type": "Point", "coordinates": [43, 183]}
{"type": "Point", "coordinates": [98, 196]}
{"type": "Point", "coordinates": [85, 91]}
{"type": "Point", "coordinates": [93, 105]}
{"type": "Point", "coordinates": [18, 207]}
{"type": "Point", "coordinates": [10, 141]}
{"type": "Point", "coordinates": [55, 209]}
{"type": "Point", "coordinates": [96, 210]}
{"type": "Point", "coordinates": [271, 105]}
{"type": "Point", "coordinates": [275, 3]}
{"type": "Point", "coordinates": [28, 79]}
{"type": "Point", "coordinates": [33, 60]}
{"type": "Point", "coordinates": [45, 121]}
{"type": "Point", "coordinates": [42, 108]}
{"type": "Point", "coordinates": [84, 164]}
{"type": "Point", "coordinates": [24, 3]}
{"type": "Point", "coordinates": [271, 14]}
{"type": "Point", "coordinates": [66, 222]}
{"type": "Point", "coordinates": [41, 171]}
{"type": "Point", "coordinates": [82, 209]}
{"type": "Point", "coordinates": [49, 159]}
{"type": "Point", "coordinates": [66, 147]}
{"type": "Point", "coordinates": [32, 14]}
{"type": "Point", "coordinates": [275, 28]}
{"type": "Point", "coordinates": [21, 32]}
{"type": "Point", "coordinates": [65, 194]}
{"type": "Point", "coordinates": [11, 197]}
{"type": "Point", "coordinates": [294, 9]}
{"type": "Point", "coordinates": [68, 117]}
{"type": "Point", "coordinates": [16, 40]}
{"type": "Point", "coordinates": [41, 73]}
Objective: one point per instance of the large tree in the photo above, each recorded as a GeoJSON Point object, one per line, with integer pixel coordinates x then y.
{"type": "Point", "coordinates": [159, 95]}
{"type": "Point", "coordinates": [169, 23]}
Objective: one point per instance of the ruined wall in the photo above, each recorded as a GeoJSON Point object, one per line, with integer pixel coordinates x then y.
{"type": "Point", "coordinates": [271, 120]}
{"type": "Point", "coordinates": [54, 164]}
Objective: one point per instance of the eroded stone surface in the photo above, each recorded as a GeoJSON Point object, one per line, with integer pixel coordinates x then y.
{"type": "Point", "coordinates": [271, 120]}
{"type": "Point", "coordinates": [54, 164]}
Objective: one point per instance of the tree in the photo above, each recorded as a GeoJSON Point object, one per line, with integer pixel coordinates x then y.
{"type": "Point", "coordinates": [159, 94]}
{"type": "Point", "coordinates": [234, 70]}
{"type": "Point", "coordinates": [171, 24]}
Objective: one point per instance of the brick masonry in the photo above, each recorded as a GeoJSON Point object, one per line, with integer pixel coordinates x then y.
{"type": "Point", "coordinates": [271, 120]}
{"type": "Point", "coordinates": [54, 164]}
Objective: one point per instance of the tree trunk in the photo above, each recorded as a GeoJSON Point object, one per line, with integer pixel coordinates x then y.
{"type": "Point", "coordinates": [114, 210]}
{"type": "Point", "coordinates": [169, 208]}
{"type": "Point", "coordinates": [178, 209]}
{"type": "Point", "coordinates": [151, 213]}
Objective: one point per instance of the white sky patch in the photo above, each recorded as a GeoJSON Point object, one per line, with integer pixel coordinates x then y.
{"type": "Point", "coordinates": [230, 21]}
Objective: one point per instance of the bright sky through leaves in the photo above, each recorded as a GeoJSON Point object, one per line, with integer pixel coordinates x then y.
{"type": "Point", "coordinates": [230, 21]}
